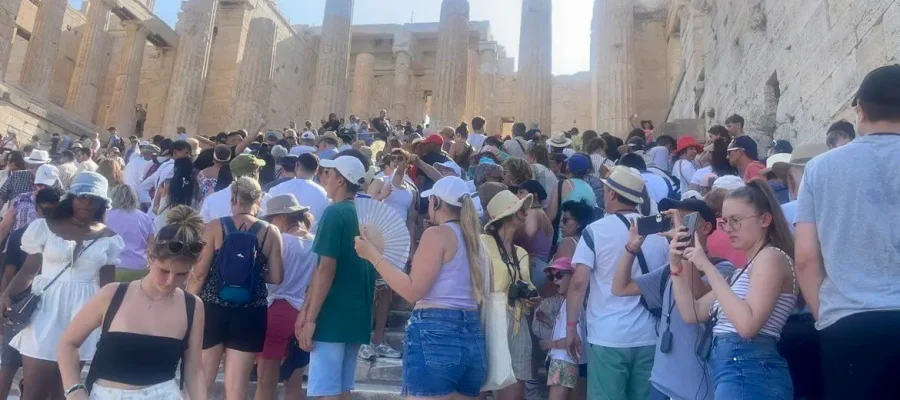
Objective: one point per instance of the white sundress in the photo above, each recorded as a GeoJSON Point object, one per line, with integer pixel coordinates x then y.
{"type": "Point", "coordinates": [62, 301]}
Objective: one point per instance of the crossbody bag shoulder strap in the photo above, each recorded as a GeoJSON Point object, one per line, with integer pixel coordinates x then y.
{"type": "Point", "coordinates": [74, 258]}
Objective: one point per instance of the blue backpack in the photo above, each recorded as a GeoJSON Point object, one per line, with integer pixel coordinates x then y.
{"type": "Point", "coordinates": [239, 261]}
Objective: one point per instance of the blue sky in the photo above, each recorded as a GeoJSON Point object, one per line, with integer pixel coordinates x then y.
{"type": "Point", "coordinates": [571, 21]}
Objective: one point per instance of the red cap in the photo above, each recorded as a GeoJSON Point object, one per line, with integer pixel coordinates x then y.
{"type": "Point", "coordinates": [435, 138]}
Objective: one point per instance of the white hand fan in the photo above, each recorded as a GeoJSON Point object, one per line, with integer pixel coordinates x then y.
{"type": "Point", "coordinates": [384, 229]}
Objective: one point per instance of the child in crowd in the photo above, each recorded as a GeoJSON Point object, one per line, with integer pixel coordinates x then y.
{"type": "Point", "coordinates": [563, 373]}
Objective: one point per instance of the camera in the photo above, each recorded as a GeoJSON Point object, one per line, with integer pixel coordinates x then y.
{"type": "Point", "coordinates": [520, 290]}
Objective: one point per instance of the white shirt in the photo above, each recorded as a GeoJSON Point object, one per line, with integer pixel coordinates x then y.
{"type": "Point", "coordinates": [218, 205]}
{"type": "Point", "coordinates": [182, 136]}
{"type": "Point", "coordinates": [697, 179]}
{"type": "Point", "coordinates": [612, 321]}
{"type": "Point", "coordinates": [684, 170]}
{"type": "Point", "coordinates": [476, 140]}
{"type": "Point", "coordinates": [660, 157]}
{"type": "Point", "coordinates": [308, 193]}
{"type": "Point", "coordinates": [165, 171]}
{"type": "Point", "coordinates": [299, 264]}
{"type": "Point", "coordinates": [657, 187]}
{"type": "Point", "coordinates": [559, 332]}
{"type": "Point", "coordinates": [476, 202]}
{"type": "Point", "coordinates": [134, 172]}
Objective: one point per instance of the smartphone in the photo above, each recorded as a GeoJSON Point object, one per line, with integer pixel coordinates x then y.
{"type": "Point", "coordinates": [690, 222]}
{"type": "Point", "coordinates": [653, 224]}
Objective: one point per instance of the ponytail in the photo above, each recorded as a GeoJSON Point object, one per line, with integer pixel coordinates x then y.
{"type": "Point", "coordinates": [471, 230]}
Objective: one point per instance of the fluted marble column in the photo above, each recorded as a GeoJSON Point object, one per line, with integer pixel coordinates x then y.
{"type": "Point", "coordinates": [253, 88]}
{"type": "Point", "coordinates": [401, 83]}
{"type": "Point", "coordinates": [185, 96]}
{"type": "Point", "coordinates": [128, 79]}
{"type": "Point", "coordinates": [9, 10]}
{"type": "Point", "coordinates": [82, 96]}
{"type": "Point", "coordinates": [330, 90]}
{"type": "Point", "coordinates": [611, 59]}
{"type": "Point", "coordinates": [452, 64]}
{"type": "Point", "coordinates": [472, 106]}
{"type": "Point", "coordinates": [363, 75]}
{"type": "Point", "coordinates": [37, 69]}
{"type": "Point", "coordinates": [487, 72]}
{"type": "Point", "coordinates": [535, 77]}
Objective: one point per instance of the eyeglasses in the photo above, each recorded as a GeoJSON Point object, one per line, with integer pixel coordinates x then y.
{"type": "Point", "coordinates": [178, 247]}
{"type": "Point", "coordinates": [556, 276]}
{"type": "Point", "coordinates": [734, 223]}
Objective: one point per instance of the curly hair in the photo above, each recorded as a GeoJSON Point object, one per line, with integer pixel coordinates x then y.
{"type": "Point", "coordinates": [518, 169]}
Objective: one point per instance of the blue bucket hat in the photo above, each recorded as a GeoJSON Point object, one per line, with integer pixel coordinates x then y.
{"type": "Point", "coordinates": [91, 184]}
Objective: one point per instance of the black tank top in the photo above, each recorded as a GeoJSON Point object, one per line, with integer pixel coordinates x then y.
{"type": "Point", "coordinates": [137, 359]}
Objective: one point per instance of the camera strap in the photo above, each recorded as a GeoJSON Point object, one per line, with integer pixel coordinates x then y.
{"type": "Point", "coordinates": [514, 273]}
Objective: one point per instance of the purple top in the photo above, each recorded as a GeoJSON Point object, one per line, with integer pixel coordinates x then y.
{"type": "Point", "coordinates": [135, 228]}
{"type": "Point", "coordinates": [537, 246]}
{"type": "Point", "coordinates": [25, 210]}
{"type": "Point", "coordinates": [453, 286]}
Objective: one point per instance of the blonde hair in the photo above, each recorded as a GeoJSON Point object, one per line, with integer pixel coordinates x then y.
{"type": "Point", "coordinates": [470, 226]}
{"type": "Point", "coordinates": [123, 198]}
{"type": "Point", "coordinates": [518, 169]}
{"type": "Point", "coordinates": [183, 224]}
{"type": "Point", "coordinates": [246, 191]}
{"type": "Point", "coordinates": [112, 171]}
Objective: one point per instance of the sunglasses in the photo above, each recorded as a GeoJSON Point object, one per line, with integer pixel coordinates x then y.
{"type": "Point", "coordinates": [178, 247]}
{"type": "Point", "coordinates": [398, 158]}
{"type": "Point", "coordinates": [555, 276]}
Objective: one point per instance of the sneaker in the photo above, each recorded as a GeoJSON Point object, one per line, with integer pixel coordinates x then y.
{"type": "Point", "coordinates": [366, 352]}
{"type": "Point", "coordinates": [386, 351]}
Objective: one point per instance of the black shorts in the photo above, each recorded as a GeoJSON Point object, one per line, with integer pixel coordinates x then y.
{"type": "Point", "coordinates": [238, 328]}
{"type": "Point", "coordinates": [861, 356]}
{"type": "Point", "coordinates": [296, 359]}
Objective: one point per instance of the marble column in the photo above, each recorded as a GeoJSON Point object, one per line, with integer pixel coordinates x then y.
{"type": "Point", "coordinates": [330, 90]}
{"type": "Point", "coordinates": [363, 77]}
{"type": "Point", "coordinates": [452, 64]}
{"type": "Point", "coordinates": [472, 106]}
{"type": "Point", "coordinates": [535, 77]}
{"type": "Point", "coordinates": [611, 69]}
{"type": "Point", "coordinates": [9, 10]}
{"type": "Point", "coordinates": [253, 89]}
{"type": "Point", "coordinates": [185, 96]}
{"type": "Point", "coordinates": [128, 78]}
{"type": "Point", "coordinates": [402, 60]}
{"type": "Point", "coordinates": [37, 69]}
{"type": "Point", "coordinates": [82, 97]}
{"type": "Point", "coordinates": [487, 73]}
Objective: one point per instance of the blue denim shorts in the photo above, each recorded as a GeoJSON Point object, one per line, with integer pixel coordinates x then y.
{"type": "Point", "coordinates": [332, 368]}
{"type": "Point", "coordinates": [749, 368]}
{"type": "Point", "coordinates": [444, 353]}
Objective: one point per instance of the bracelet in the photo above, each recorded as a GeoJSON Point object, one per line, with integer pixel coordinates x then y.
{"type": "Point", "coordinates": [630, 251]}
{"type": "Point", "coordinates": [379, 262]}
{"type": "Point", "coordinates": [572, 323]}
{"type": "Point", "coordinates": [74, 389]}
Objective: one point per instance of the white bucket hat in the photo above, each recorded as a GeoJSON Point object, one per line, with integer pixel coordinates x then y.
{"type": "Point", "coordinates": [38, 157]}
{"type": "Point", "coordinates": [90, 184]}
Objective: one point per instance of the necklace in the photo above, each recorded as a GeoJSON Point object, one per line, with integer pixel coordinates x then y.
{"type": "Point", "coordinates": [149, 298]}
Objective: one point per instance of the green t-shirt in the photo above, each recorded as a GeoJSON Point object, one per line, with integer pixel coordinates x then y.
{"type": "Point", "coordinates": [346, 314]}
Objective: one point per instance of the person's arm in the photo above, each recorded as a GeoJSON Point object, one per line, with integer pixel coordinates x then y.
{"type": "Point", "coordinates": [275, 270]}
{"type": "Point", "coordinates": [22, 279]}
{"type": "Point", "coordinates": [692, 310]}
{"type": "Point", "coordinates": [574, 300]}
{"type": "Point", "coordinates": [810, 267]}
{"type": "Point", "coordinates": [8, 273]}
{"type": "Point", "coordinates": [195, 381]}
{"type": "Point", "coordinates": [428, 170]}
{"type": "Point", "coordinates": [411, 217]}
{"type": "Point", "coordinates": [375, 188]}
{"type": "Point", "coordinates": [565, 249]}
{"type": "Point", "coordinates": [88, 319]}
{"type": "Point", "coordinates": [552, 209]}
{"type": "Point", "coordinates": [426, 265]}
{"type": "Point", "coordinates": [7, 223]}
{"type": "Point", "coordinates": [204, 142]}
{"type": "Point", "coordinates": [623, 284]}
{"type": "Point", "coordinates": [532, 224]}
{"type": "Point", "coordinates": [319, 286]}
{"type": "Point", "coordinates": [201, 268]}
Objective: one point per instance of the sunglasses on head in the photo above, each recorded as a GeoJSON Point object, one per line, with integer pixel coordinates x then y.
{"type": "Point", "coordinates": [555, 276]}
{"type": "Point", "coordinates": [178, 247]}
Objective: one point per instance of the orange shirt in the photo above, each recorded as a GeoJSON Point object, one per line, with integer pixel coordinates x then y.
{"type": "Point", "coordinates": [752, 171]}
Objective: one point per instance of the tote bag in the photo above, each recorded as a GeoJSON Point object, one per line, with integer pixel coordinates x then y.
{"type": "Point", "coordinates": [494, 318]}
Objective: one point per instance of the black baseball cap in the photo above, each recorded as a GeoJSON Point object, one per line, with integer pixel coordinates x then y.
{"type": "Point", "coordinates": [531, 186]}
{"type": "Point", "coordinates": [782, 146]}
{"type": "Point", "coordinates": [881, 86]}
{"type": "Point", "coordinates": [695, 205]}
{"type": "Point", "coordinates": [747, 144]}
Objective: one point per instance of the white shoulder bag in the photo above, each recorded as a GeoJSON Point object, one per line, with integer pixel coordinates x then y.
{"type": "Point", "coordinates": [494, 320]}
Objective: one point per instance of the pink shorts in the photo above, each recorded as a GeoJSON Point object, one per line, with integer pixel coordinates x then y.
{"type": "Point", "coordinates": [279, 330]}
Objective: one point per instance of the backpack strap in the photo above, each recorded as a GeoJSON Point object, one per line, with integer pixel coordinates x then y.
{"type": "Point", "coordinates": [114, 305]}
{"type": "Point", "coordinates": [227, 225]}
{"type": "Point", "coordinates": [258, 226]}
{"type": "Point", "coordinates": [642, 262]}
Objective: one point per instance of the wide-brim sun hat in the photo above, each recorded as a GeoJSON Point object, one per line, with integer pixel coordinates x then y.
{"type": "Point", "coordinates": [802, 154]}
{"type": "Point", "coordinates": [38, 157]}
{"type": "Point", "coordinates": [626, 183]}
{"type": "Point", "coordinates": [90, 184]}
{"type": "Point", "coordinates": [504, 204]}
{"type": "Point", "coordinates": [283, 204]}
{"type": "Point", "coordinates": [559, 139]}
{"type": "Point", "coordinates": [686, 142]}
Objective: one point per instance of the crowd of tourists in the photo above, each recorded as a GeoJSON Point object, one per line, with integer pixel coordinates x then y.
{"type": "Point", "coordinates": [653, 267]}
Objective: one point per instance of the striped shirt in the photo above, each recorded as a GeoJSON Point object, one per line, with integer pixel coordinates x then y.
{"type": "Point", "coordinates": [784, 305]}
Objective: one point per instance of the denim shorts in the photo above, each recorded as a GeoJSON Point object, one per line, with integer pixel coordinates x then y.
{"type": "Point", "coordinates": [749, 368]}
{"type": "Point", "coordinates": [444, 353]}
{"type": "Point", "coordinates": [332, 368]}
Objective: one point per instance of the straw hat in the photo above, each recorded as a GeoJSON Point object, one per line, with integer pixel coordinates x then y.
{"type": "Point", "coordinates": [504, 204]}
{"type": "Point", "coordinates": [559, 139]}
{"type": "Point", "coordinates": [626, 183]}
{"type": "Point", "coordinates": [283, 204]}
{"type": "Point", "coordinates": [801, 155]}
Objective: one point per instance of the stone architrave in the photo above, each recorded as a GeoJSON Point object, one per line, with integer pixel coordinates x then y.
{"type": "Point", "coordinates": [253, 88]}
{"type": "Point", "coordinates": [363, 77]}
{"type": "Point", "coordinates": [9, 10]}
{"type": "Point", "coordinates": [452, 64]}
{"type": "Point", "coordinates": [612, 88]}
{"type": "Point", "coordinates": [472, 106]}
{"type": "Point", "coordinates": [487, 73]}
{"type": "Point", "coordinates": [185, 96]}
{"type": "Point", "coordinates": [122, 113]}
{"type": "Point", "coordinates": [37, 69]}
{"type": "Point", "coordinates": [330, 90]}
{"type": "Point", "coordinates": [535, 77]}
{"type": "Point", "coordinates": [82, 97]}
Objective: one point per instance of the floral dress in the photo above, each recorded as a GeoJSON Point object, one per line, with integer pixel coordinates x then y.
{"type": "Point", "coordinates": [207, 186]}
{"type": "Point", "coordinates": [25, 210]}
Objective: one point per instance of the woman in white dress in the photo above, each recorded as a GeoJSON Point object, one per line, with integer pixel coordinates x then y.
{"type": "Point", "coordinates": [74, 232]}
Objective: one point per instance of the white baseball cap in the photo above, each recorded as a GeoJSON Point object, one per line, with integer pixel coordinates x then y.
{"type": "Point", "coordinates": [450, 189]}
{"type": "Point", "coordinates": [349, 167]}
{"type": "Point", "coordinates": [308, 136]}
{"type": "Point", "coordinates": [728, 182]}
{"type": "Point", "coordinates": [298, 150]}
{"type": "Point", "coordinates": [451, 165]}
{"type": "Point", "coordinates": [46, 175]}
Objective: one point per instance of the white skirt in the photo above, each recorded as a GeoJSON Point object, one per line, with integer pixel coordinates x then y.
{"type": "Point", "coordinates": [164, 391]}
{"type": "Point", "coordinates": [58, 306]}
